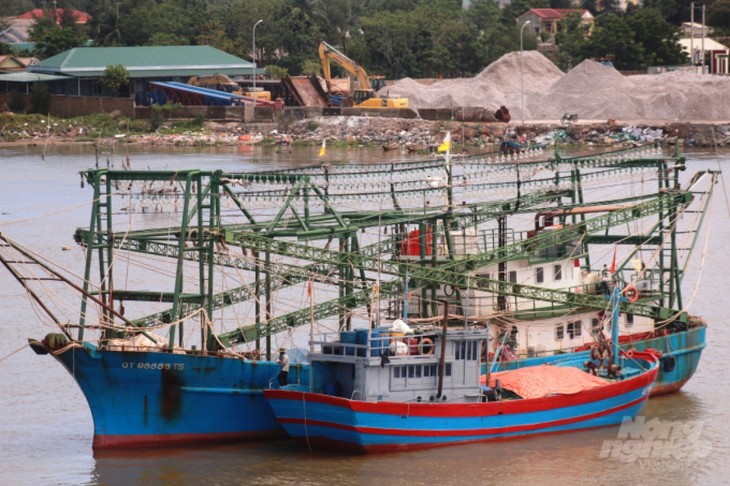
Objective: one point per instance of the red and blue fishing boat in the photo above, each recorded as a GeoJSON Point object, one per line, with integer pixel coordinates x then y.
{"type": "Point", "coordinates": [369, 400]}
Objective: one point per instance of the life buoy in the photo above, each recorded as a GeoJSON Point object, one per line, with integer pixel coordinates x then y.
{"type": "Point", "coordinates": [631, 293]}
{"type": "Point", "coordinates": [426, 346]}
{"type": "Point", "coordinates": [449, 290]}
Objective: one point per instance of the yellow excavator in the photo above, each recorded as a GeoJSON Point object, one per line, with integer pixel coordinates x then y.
{"type": "Point", "coordinates": [223, 82]}
{"type": "Point", "coordinates": [364, 95]}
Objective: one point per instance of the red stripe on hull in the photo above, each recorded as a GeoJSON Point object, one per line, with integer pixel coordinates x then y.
{"type": "Point", "coordinates": [467, 432]}
{"type": "Point", "coordinates": [157, 440]}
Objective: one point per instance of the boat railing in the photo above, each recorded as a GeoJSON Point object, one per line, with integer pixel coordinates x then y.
{"type": "Point", "coordinates": [357, 342]}
{"type": "Point", "coordinates": [374, 343]}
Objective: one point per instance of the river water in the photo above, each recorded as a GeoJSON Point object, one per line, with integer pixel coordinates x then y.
{"type": "Point", "coordinates": [46, 427]}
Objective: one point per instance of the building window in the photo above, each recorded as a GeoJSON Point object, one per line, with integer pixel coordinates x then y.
{"type": "Point", "coordinates": [513, 276]}
{"type": "Point", "coordinates": [557, 272]}
{"type": "Point", "coordinates": [559, 332]}
{"type": "Point", "coordinates": [539, 275]}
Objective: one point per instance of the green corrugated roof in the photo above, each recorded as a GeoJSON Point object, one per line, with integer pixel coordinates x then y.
{"type": "Point", "coordinates": [26, 77]}
{"type": "Point", "coordinates": [144, 62]}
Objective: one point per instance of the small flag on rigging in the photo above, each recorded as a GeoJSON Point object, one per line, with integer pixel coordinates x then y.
{"type": "Point", "coordinates": [446, 144]}
{"type": "Point", "coordinates": [613, 263]}
{"type": "Point", "coordinates": [323, 150]}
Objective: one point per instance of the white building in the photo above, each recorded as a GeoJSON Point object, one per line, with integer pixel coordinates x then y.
{"type": "Point", "coordinates": [718, 53]}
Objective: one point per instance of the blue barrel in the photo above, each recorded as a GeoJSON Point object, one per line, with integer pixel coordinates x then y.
{"type": "Point", "coordinates": [362, 339]}
{"type": "Point", "coordinates": [376, 343]}
{"type": "Point", "coordinates": [348, 340]}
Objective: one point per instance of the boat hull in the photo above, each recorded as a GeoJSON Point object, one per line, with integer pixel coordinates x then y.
{"type": "Point", "coordinates": [681, 352]}
{"type": "Point", "coordinates": [368, 427]}
{"type": "Point", "coordinates": [154, 399]}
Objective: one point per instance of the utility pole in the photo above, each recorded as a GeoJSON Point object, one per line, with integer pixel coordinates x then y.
{"type": "Point", "coordinates": [703, 38]}
{"type": "Point", "coordinates": [692, 35]}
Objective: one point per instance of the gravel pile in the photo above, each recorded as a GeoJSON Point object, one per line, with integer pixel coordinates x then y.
{"type": "Point", "coordinates": [590, 90]}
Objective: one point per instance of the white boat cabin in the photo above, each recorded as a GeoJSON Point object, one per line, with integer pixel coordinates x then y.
{"type": "Point", "coordinates": [536, 327]}
{"type": "Point", "coordinates": [379, 365]}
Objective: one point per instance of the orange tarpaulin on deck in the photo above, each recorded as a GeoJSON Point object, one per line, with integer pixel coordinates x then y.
{"type": "Point", "coordinates": [545, 380]}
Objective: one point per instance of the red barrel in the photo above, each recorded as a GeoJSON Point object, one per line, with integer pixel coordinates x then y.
{"type": "Point", "coordinates": [412, 343]}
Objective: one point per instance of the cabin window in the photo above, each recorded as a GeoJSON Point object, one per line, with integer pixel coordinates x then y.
{"type": "Point", "coordinates": [629, 320]}
{"type": "Point", "coordinates": [513, 276]}
{"type": "Point", "coordinates": [574, 329]}
{"type": "Point", "coordinates": [539, 275]}
{"type": "Point", "coordinates": [460, 352]}
{"type": "Point", "coordinates": [557, 272]}
{"type": "Point", "coordinates": [559, 332]}
{"type": "Point", "coordinates": [429, 370]}
{"type": "Point", "coordinates": [414, 371]}
{"type": "Point", "coordinates": [396, 371]}
{"type": "Point", "coordinates": [447, 370]}
{"type": "Point", "coordinates": [596, 326]}
{"type": "Point", "coordinates": [466, 350]}
{"type": "Point", "coordinates": [472, 350]}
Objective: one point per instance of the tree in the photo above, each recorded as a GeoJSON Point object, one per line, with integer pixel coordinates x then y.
{"type": "Point", "coordinates": [51, 39]}
{"type": "Point", "coordinates": [659, 38]}
{"type": "Point", "coordinates": [571, 39]}
{"type": "Point", "coordinates": [311, 68]}
{"type": "Point", "coordinates": [673, 11]}
{"type": "Point", "coordinates": [104, 24]}
{"type": "Point", "coordinates": [290, 39]}
{"type": "Point", "coordinates": [718, 15]}
{"type": "Point", "coordinates": [612, 37]}
{"type": "Point", "coordinates": [497, 34]}
{"type": "Point", "coordinates": [395, 43]}
{"type": "Point", "coordinates": [276, 72]}
{"type": "Point", "coordinates": [115, 76]}
{"type": "Point", "coordinates": [636, 40]}
{"type": "Point", "coordinates": [39, 99]}
{"type": "Point", "coordinates": [174, 21]}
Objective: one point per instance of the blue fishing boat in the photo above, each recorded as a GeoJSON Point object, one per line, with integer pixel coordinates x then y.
{"type": "Point", "coordinates": [367, 401]}
{"type": "Point", "coordinates": [144, 398]}
{"type": "Point", "coordinates": [679, 354]}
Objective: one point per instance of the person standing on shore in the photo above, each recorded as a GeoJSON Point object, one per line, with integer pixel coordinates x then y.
{"type": "Point", "coordinates": [284, 364]}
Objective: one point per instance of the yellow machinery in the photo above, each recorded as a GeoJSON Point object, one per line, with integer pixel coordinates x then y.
{"type": "Point", "coordinates": [364, 95]}
{"type": "Point", "coordinates": [222, 82]}
{"type": "Point", "coordinates": [259, 94]}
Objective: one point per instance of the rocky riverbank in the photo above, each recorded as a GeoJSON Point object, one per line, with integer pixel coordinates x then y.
{"type": "Point", "coordinates": [390, 133]}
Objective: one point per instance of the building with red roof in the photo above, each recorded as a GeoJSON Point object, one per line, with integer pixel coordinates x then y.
{"type": "Point", "coordinates": [39, 13]}
{"type": "Point", "coordinates": [545, 22]}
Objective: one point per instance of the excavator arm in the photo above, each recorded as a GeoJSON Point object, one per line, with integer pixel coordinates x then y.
{"type": "Point", "coordinates": [328, 53]}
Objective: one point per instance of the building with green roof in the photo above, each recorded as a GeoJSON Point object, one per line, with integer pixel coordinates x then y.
{"type": "Point", "coordinates": [83, 66]}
